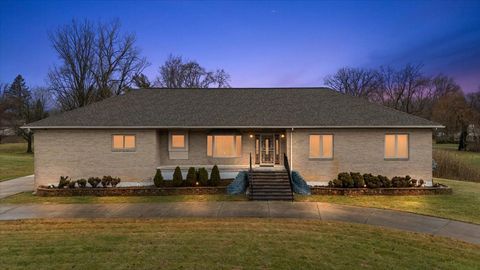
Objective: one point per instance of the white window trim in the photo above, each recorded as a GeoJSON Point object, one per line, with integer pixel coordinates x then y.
{"type": "Point", "coordinates": [134, 149]}
{"type": "Point", "coordinates": [396, 147]}
{"type": "Point", "coordinates": [177, 149]}
{"type": "Point", "coordinates": [321, 146]}
{"type": "Point", "coordinates": [237, 155]}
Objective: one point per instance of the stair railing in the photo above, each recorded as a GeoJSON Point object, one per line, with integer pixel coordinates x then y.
{"type": "Point", "coordinates": [287, 167]}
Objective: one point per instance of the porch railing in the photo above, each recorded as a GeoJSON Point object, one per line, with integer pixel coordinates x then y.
{"type": "Point", "coordinates": [287, 167]}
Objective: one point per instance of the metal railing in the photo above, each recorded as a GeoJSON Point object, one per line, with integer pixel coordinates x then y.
{"type": "Point", "coordinates": [287, 167]}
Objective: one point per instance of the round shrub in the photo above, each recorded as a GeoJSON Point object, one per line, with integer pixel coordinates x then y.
{"type": "Point", "coordinates": [346, 178]}
{"type": "Point", "coordinates": [158, 179]}
{"type": "Point", "coordinates": [384, 181]}
{"type": "Point", "coordinates": [191, 177]}
{"type": "Point", "coordinates": [203, 176]}
{"type": "Point", "coordinates": [177, 177]}
{"type": "Point", "coordinates": [94, 181]}
{"type": "Point", "coordinates": [371, 181]}
{"type": "Point", "coordinates": [106, 180]}
{"type": "Point", "coordinates": [63, 182]}
{"type": "Point", "coordinates": [398, 181]}
{"type": "Point", "coordinates": [337, 183]}
{"type": "Point", "coordinates": [82, 183]}
{"type": "Point", "coordinates": [215, 176]}
{"type": "Point", "coordinates": [71, 184]}
{"type": "Point", "coordinates": [358, 181]}
{"type": "Point", "coordinates": [115, 181]}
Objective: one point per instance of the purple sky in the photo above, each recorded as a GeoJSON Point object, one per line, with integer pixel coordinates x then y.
{"type": "Point", "coordinates": [263, 44]}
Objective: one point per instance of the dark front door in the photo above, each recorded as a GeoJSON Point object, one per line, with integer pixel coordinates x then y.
{"type": "Point", "coordinates": [267, 150]}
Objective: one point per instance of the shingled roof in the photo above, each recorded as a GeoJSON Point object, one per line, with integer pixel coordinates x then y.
{"type": "Point", "coordinates": [233, 108]}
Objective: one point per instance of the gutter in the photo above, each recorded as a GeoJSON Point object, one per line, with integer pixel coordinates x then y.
{"type": "Point", "coordinates": [219, 127]}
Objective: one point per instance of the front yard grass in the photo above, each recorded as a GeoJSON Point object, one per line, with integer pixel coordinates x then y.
{"type": "Point", "coordinates": [463, 204]}
{"type": "Point", "coordinates": [14, 161]}
{"type": "Point", "coordinates": [224, 244]}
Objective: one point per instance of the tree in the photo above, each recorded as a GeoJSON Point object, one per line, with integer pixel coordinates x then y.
{"type": "Point", "coordinates": [5, 115]}
{"type": "Point", "coordinates": [179, 73]}
{"type": "Point", "coordinates": [97, 61]}
{"type": "Point", "coordinates": [141, 81]}
{"type": "Point", "coordinates": [358, 82]}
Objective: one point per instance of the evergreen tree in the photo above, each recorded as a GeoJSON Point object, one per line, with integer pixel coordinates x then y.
{"type": "Point", "coordinates": [215, 176]}
{"type": "Point", "coordinates": [158, 179]}
{"type": "Point", "coordinates": [191, 177]}
{"type": "Point", "coordinates": [177, 177]}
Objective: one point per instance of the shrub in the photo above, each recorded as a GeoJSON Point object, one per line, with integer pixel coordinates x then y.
{"type": "Point", "coordinates": [421, 183]}
{"type": "Point", "coordinates": [336, 183]}
{"type": "Point", "coordinates": [106, 180]}
{"type": "Point", "coordinates": [71, 184]}
{"type": "Point", "coordinates": [115, 181]}
{"type": "Point", "coordinates": [358, 181]}
{"type": "Point", "coordinates": [94, 181]}
{"type": "Point", "coordinates": [177, 177]}
{"type": "Point", "coordinates": [82, 183]}
{"type": "Point", "coordinates": [158, 179]}
{"type": "Point", "coordinates": [63, 182]}
{"type": "Point", "coordinates": [203, 176]}
{"type": "Point", "coordinates": [346, 179]}
{"type": "Point", "coordinates": [191, 179]}
{"type": "Point", "coordinates": [371, 181]}
{"type": "Point", "coordinates": [215, 176]}
{"type": "Point", "coordinates": [398, 181]}
{"type": "Point", "coordinates": [384, 181]}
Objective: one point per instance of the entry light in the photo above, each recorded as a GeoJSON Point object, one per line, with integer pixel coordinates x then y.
{"type": "Point", "coordinates": [251, 136]}
{"type": "Point", "coordinates": [283, 135]}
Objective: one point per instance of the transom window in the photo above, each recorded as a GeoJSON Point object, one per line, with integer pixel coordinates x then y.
{"type": "Point", "coordinates": [396, 146]}
{"type": "Point", "coordinates": [321, 146]}
{"type": "Point", "coordinates": [125, 143]}
{"type": "Point", "coordinates": [224, 146]}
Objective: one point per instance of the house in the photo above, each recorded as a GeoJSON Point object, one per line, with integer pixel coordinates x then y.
{"type": "Point", "coordinates": [322, 132]}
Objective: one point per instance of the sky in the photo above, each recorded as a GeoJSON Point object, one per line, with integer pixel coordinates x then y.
{"type": "Point", "coordinates": [262, 43]}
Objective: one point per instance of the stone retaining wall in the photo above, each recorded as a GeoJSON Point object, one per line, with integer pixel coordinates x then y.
{"type": "Point", "coordinates": [129, 191]}
{"type": "Point", "coordinates": [380, 191]}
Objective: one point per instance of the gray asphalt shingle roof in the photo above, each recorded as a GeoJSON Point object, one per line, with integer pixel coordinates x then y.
{"type": "Point", "coordinates": [234, 107]}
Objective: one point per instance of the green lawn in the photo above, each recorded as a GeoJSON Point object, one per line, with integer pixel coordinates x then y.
{"type": "Point", "coordinates": [224, 244]}
{"type": "Point", "coordinates": [14, 161]}
{"type": "Point", "coordinates": [463, 204]}
{"type": "Point", "coordinates": [472, 158]}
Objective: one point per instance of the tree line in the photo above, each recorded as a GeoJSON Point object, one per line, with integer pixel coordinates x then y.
{"type": "Point", "coordinates": [438, 98]}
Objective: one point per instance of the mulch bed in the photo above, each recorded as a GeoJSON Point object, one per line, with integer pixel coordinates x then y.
{"type": "Point", "coordinates": [381, 191]}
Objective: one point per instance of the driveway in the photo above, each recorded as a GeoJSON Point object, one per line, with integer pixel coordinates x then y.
{"type": "Point", "coordinates": [304, 210]}
{"type": "Point", "coordinates": [17, 185]}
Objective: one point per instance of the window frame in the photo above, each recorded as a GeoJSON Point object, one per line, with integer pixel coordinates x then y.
{"type": "Point", "coordinates": [185, 141]}
{"type": "Point", "coordinates": [212, 150]}
{"type": "Point", "coordinates": [396, 158]}
{"type": "Point", "coordinates": [321, 146]}
{"type": "Point", "coordinates": [123, 149]}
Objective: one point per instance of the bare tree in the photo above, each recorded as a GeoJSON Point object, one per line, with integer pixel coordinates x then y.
{"type": "Point", "coordinates": [179, 73]}
{"type": "Point", "coordinates": [97, 61]}
{"type": "Point", "coordinates": [141, 81]}
{"type": "Point", "coordinates": [354, 81]}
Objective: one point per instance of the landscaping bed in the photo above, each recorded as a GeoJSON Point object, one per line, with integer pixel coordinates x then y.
{"type": "Point", "coordinates": [381, 191]}
{"type": "Point", "coordinates": [129, 191]}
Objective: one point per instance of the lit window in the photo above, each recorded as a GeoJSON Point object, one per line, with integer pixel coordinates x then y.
{"type": "Point", "coordinates": [178, 141]}
{"type": "Point", "coordinates": [123, 142]}
{"type": "Point", "coordinates": [321, 146]}
{"type": "Point", "coordinates": [224, 145]}
{"type": "Point", "coordinates": [396, 146]}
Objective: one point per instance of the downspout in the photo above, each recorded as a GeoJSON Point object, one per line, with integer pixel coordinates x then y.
{"type": "Point", "coordinates": [291, 150]}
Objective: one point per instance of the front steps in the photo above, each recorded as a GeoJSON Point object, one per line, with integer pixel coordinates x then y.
{"type": "Point", "coordinates": [270, 186]}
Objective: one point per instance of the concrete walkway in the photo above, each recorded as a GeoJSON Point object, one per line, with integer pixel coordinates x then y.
{"type": "Point", "coordinates": [17, 185]}
{"type": "Point", "coordinates": [304, 210]}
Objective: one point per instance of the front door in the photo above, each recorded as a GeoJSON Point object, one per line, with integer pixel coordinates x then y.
{"type": "Point", "coordinates": [267, 150]}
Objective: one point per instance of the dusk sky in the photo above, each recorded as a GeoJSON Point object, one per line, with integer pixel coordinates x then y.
{"type": "Point", "coordinates": [260, 44]}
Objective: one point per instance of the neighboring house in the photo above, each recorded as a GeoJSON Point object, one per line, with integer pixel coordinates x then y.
{"type": "Point", "coordinates": [321, 131]}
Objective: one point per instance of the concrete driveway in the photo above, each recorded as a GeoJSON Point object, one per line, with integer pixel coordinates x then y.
{"type": "Point", "coordinates": [304, 210]}
{"type": "Point", "coordinates": [17, 185]}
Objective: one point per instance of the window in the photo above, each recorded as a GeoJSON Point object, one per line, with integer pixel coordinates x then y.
{"type": "Point", "coordinates": [177, 141]}
{"type": "Point", "coordinates": [321, 146]}
{"type": "Point", "coordinates": [123, 143]}
{"type": "Point", "coordinates": [396, 146]}
{"type": "Point", "coordinates": [224, 145]}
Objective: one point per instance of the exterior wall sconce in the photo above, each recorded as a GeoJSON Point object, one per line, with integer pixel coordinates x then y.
{"type": "Point", "coordinates": [283, 135]}
{"type": "Point", "coordinates": [251, 136]}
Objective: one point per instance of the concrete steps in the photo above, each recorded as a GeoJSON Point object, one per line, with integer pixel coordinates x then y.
{"type": "Point", "coordinates": [270, 186]}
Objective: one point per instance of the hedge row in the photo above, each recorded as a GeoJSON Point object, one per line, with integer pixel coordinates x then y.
{"type": "Point", "coordinates": [357, 180]}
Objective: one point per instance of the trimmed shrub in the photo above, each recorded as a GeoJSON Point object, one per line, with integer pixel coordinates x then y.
{"type": "Point", "coordinates": [94, 181]}
{"type": "Point", "coordinates": [371, 181]}
{"type": "Point", "coordinates": [358, 181]}
{"type": "Point", "coordinates": [158, 179]}
{"type": "Point", "coordinates": [115, 181]}
{"type": "Point", "coordinates": [421, 183]}
{"type": "Point", "coordinates": [191, 179]}
{"type": "Point", "coordinates": [335, 183]}
{"type": "Point", "coordinates": [384, 181]}
{"type": "Point", "coordinates": [346, 179]}
{"type": "Point", "coordinates": [63, 182]}
{"type": "Point", "coordinates": [203, 176]}
{"type": "Point", "coordinates": [215, 176]}
{"type": "Point", "coordinates": [398, 181]}
{"type": "Point", "coordinates": [82, 183]}
{"type": "Point", "coordinates": [71, 184]}
{"type": "Point", "coordinates": [177, 177]}
{"type": "Point", "coordinates": [106, 180]}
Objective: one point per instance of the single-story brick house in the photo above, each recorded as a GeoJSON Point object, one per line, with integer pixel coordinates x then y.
{"type": "Point", "coordinates": [322, 132]}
